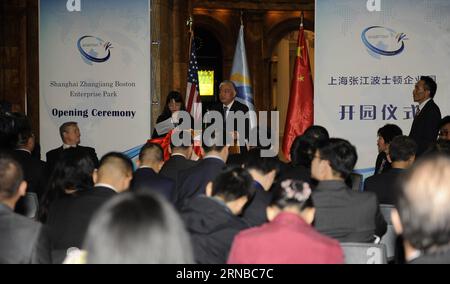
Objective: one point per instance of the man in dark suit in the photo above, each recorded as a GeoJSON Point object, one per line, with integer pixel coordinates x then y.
{"type": "Point", "coordinates": [180, 159]}
{"type": "Point", "coordinates": [402, 153]}
{"type": "Point", "coordinates": [343, 214]}
{"type": "Point", "coordinates": [193, 181]}
{"type": "Point", "coordinates": [212, 220]}
{"type": "Point", "coordinates": [425, 127]}
{"type": "Point", "coordinates": [71, 214]}
{"type": "Point", "coordinates": [147, 177]}
{"type": "Point", "coordinates": [70, 135]}
{"type": "Point", "coordinates": [229, 107]}
{"type": "Point", "coordinates": [422, 213]}
{"type": "Point", "coordinates": [23, 241]}
{"type": "Point", "coordinates": [263, 171]}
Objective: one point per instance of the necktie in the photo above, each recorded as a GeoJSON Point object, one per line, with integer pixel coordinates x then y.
{"type": "Point", "coordinates": [418, 111]}
{"type": "Point", "coordinates": [225, 110]}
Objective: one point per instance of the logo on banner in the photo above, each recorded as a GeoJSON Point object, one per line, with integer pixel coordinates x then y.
{"type": "Point", "coordinates": [383, 41]}
{"type": "Point", "coordinates": [73, 5]}
{"type": "Point", "coordinates": [373, 5]}
{"type": "Point", "coordinates": [94, 49]}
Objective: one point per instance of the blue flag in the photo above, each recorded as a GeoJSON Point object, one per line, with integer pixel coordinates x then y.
{"type": "Point", "coordinates": [241, 76]}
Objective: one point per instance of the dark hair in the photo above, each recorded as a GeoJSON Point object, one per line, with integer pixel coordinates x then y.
{"type": "Point", "coordinates": [137, 228]}
{"type": "Point", "coordinates": [389, 131]}
{"type": "Point", "coordinates": [215, 142]}
{"type": "Point", "coordinates": [402, 148]}
{"type": "Point", "coordinates": [73, 171]}
{"type": "Point", "coordinates": [302, 151]}
{"type": "Point", "coordinates": [232, 184]}
{"type": "Point", "coordinates": [429, 84]}
{"type": "Point", "coordinates": [264, 165]}
{"type": "Point", "coordinates": [291, 192]}
{"type": "Point", "coordinates": [64, 126]}
{"type": "Point", "coordinates": [176, 96]}
{"type": "Point", "coordinates": [120, 161]}
{"type": "Point", "coordinates": [11, 175]}
{"type": "Point", "coordinates": [151, 151]}
{"type": "Point", "coordinates": [341, 155]}
{"type": "Point", "coordinates": [422, 204]}
{"type": "Point", "coordinates": [440, 147]}
{"type": "Point", "coordinates": [444, 121]}
{"type": "Point", "coordinates": [23, 128]}
{"type": "Point", "coordinates": [317, 133]}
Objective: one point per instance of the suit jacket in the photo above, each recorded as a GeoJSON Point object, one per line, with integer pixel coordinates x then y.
{"type": "Point", "coordinates": [54, 155]}
{"type": "Point", "coordinates": [70, 215]}
{"type": "Point", "coordinates": [346, 215]}
{"type": "Point", "coordinates": [193, 181]}
{"type": "Point", "coordinates": [425, 127]}
{"type": "Point", "coordinates": [23, 241]}
{"type": "Point", "coordinates": [237, 106]}
{"type": "Point", "coordinates": [35, 172]}
{"type": "Point", "coordinates": [212, 227]}
{"type": "Point", "coordinates": [254, 212]}
{"type": "Point", "coordinates": [288, 239]}
{"type": "Point", "coordinates": [146, 179]}
{"type": "Point", "coordinates": [174, 165]}
{"type": "Point", "coordinates": [384, 185]}
{"type": "Point", "coordinates": [382, 164]}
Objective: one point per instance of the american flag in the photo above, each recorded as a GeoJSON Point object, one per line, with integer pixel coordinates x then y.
{"type": "Point", "coordinates": [193, 102]}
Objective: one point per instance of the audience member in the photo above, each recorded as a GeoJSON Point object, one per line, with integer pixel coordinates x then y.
{"type": "Point", "coordinates": [422, 214]}
{"type": "Point", "coordinates": [147, 177]}
{"type": "Point", "coordinates": [385, 136]}
{"type": "Point", "coordinates": [137, 228]}
{"type": "Point", "coordinates": [343, 214]}
{"type": "Point", "coordinates": [402, 154]}
{"type": "Point", "coordinates": [444, 128]}
{"type": "Point", "coordinates": [289, 237]}
{"type": "Point", "coordinates": [212, 219]}
{"type": "Point", "coordinates": [23, 241]}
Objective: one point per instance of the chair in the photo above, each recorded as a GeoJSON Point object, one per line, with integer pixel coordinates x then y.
{"type": "Point", "coordinates": [364, 253]}
{"type": "Point", "coordinates": [30, 205]}
{"type": "Point", "coordinates": [390, 237]}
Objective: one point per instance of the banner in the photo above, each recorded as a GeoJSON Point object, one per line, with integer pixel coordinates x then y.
{"type": "Point", "coordinates": [369, 55]}
{"type": "Point", "coordinates": [94, 69]}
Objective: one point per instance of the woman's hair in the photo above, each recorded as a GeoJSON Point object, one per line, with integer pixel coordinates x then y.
{"type": "Point", "coordinates": [137, 228]}
{"type": "Point", "coordinates": [176, 96]}
{"type": "Point", "coordinates": [292, 193]}
{"type": "Point", "coordinates": [73, 172]}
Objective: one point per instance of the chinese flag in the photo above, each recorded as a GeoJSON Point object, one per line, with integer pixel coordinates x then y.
{"type": "Point", "coordinates": [300, 113]}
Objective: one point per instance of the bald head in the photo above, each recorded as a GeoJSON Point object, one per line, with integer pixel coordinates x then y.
{"type": "Point", "coordinates": [423, 204]}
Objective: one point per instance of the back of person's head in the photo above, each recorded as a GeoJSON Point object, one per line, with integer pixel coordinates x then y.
{"type": "Point", "coordinates": [151, 153]}
{"type": "Point", "coordinates": [11, 177]}
{"type": "Point", "coordinates": [180, 136]}
{"type": "Point", "coordinates": [429, 84]}
{"type": "Point", "coordinates": [137, 228]}
{"type": "Point", "coordinates": [65, 128]}
{"type": "Point", "coordinates": [215, 142]}
{"type": "Point", "coordinates": [389, 131]}
{"type": "Point", "coordinates": [402, 148]}
{"type": "Point", "coordinates": [114, 166]}
{"type": "Point", "coordinates": [232, 184]}
{"type": "Point", "coordinates": [341, 155]}
{"type": "Point", "coordinates": [23, 128]}
{"type": "Point", "coordinates": [423, 202]}
{"type": "Point", "coordinates": [317, 133]}
{"type": "Point", "coordinates": [444, 121]}
{"type": "Point", "coordinates": [264, 165]}
{"type": "Point", "coordinates": [302, 151]}
{"type": "Point", "coordinates": [292, 193]}
{"type": "Point", "coordinates": [440, 147]}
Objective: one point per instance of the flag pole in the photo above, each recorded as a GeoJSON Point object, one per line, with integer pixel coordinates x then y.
{"type": "Point", "coordinates": [189, 23]}
{"type": "Point", "coordinates": [242, 14]}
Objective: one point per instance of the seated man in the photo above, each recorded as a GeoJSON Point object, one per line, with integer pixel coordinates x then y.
{"type": "Point", "coordinates": [402, 153]}
{"type": "Point", "coordinates": [343, 214]}
{"type": "Point", "coordinates": [23, 241]}
{"type": "Point", "coordinates": [211, 220]}
{"type": "Point", "coordinates": [422, 214]}
{"type": "Point", "coordinates": [147, 177]}
{"type": "Point", "coordinates": [70, 136]}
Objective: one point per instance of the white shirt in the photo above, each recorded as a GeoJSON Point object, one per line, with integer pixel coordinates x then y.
{"type": "Point", "coordinates": [228, 108]}
{"type": "Point", "coordinates": [213, 157]}
{"type": "Point", "coordinates": [106, 185]}
{"type": "Point", "coordinates": [65, 146]}
{"type": "Point", "coordinates": [422, 105]}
